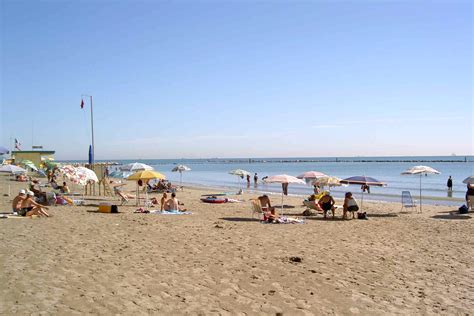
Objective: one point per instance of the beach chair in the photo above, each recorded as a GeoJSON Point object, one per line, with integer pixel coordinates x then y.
{"type": "Point", "coordinates": [123, 198]}
{"type": "Point", "coordinates": [407, 200]}
{"type": "Point", "coordinates": [257, 208]}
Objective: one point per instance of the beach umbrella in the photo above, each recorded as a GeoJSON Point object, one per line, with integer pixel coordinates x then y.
{"type": "Point", "coordinates": [240, 174]}
{"type": "Point", "coordinates": [420, 170]}
{"type": "Point", "coordinates": [120, 174]}
{"type": "Point", "coordinates": [311, 175]}
{"type": "Point", "coordinates": [86, 175]}
{"type": "Point", "coordinates": [29, 164]}
{"type": "Point", "coordinates": [135, 166]}
{"type": "Point", "coordinates": [145, 175]}
{"type": "Point", "coordinates": [362, 180]}
{"type": "Point", "coordinates": [12, 169]}
{"type": "Point", "coordinates": [283, 179]}
{"type": "Point", "coordinates": [51, 164]}
{"type": "Point", "coordinates": [328, 181]}
{"type": "Point", "coordinates": [468, 180]}
{"type": "Point", "coordinates": [180, 169]}
{"type": "Point", "coordinates": [3, 150]}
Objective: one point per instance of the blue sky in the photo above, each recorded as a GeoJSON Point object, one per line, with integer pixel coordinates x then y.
{"type": "Point", "coordinates": [194, 79]}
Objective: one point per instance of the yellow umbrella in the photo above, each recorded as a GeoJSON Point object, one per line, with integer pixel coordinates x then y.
{"type": "Point", "coordinates": [145, 175]}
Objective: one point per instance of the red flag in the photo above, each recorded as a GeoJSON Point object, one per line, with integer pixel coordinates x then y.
{"type": "Point", "coordinates": [82, 104]}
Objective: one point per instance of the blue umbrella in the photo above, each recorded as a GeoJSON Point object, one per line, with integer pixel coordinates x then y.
{"type": "Point", "coordinates": [3, 150]}
{"type": "Point", "coordinates": [363, 180]}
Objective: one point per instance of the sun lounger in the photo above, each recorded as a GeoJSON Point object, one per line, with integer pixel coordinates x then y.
{"type": "Point", "coordinates": [257, 208]}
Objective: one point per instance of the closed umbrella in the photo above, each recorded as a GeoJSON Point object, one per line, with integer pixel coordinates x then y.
{"type": "Point", "coordinates": [135, 166]}
{"type": "Point", "coordinates": [420, 170]}
{"type": "Point", "coordinates": [181, 169]}
{"type": "Point", "coordinates": [363, 180]}
{"type": "Point", "coordinates": [283, 179]}
{"type": "Point", "coordinates": [145, 175]}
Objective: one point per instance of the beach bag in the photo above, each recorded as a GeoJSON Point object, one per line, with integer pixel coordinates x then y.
{"type": "Point", "coordinates": [362, 215]}
{"type": "Point", "coordinates": [463, 209]}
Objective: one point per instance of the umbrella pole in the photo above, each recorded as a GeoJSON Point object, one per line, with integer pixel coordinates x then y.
{"type": "Point", "coordinates": [421, 210]}
{"type": "Point", "coordinates": [281, 202]}
{"type": "Point", "coordinates": [362, 200]}
{"type": "Point", "coordinates": [181, 179]}
{"type": "Point", "coordinates": [138, 196]}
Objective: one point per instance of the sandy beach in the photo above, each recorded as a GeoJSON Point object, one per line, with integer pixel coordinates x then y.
{"type": "Point", "coordinates": [219, 260]}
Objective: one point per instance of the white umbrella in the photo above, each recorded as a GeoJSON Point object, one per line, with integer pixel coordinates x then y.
{"type": "Point", "coordinates": [180, 169]}
{"type": "Point", "coordinates": [468, 180]}
{"type": "Point", "coordinates": [12, 169]}
{"type": "Point", "coordinates": [283, 179]}
{"type": "Point", "coordinates": [86, 175]}
{"type": "Point", "coordinates": [420, 170]}
{"type": "Point", "coordinates": [135, 166]}
{"type": "Point", "coordinates": [328, 181]}
{"type": "Point", "coordinates": [240, 173]}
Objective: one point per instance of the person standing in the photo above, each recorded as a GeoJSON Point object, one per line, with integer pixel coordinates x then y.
{"type": "Point", "coordinates": [255, 178]}
{"type": "Point", "coordinates": [450, 184]}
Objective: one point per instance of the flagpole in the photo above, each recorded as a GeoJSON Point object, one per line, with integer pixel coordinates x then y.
{"type": "Point", "coordinates": [92, 128]}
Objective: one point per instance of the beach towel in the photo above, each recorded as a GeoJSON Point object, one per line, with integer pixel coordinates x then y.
{"type": "Point", "coordinates": [169, 212]}
{"type": "Point", "coordinates": [285, 220]}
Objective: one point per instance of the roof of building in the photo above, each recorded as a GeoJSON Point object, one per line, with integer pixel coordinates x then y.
{"type": "Point", "coordinates": [47, 152]}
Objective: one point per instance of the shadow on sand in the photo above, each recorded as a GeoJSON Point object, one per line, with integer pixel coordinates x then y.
{"type": "Point", "coordinates": [239, 219]}
{"type": "Point", "coordinates": [452, 215]}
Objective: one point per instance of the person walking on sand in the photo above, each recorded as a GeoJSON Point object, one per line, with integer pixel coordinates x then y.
{"type": "Point", "coordinates": [450, 184]}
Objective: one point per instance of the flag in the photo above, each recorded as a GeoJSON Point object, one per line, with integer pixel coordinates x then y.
{"type": "Point", "coordinates": [82, 104]}
{"type": "Point", "coordinates": [17, 144]}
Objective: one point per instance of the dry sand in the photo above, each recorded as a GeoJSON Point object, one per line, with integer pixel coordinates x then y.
{"type": "Point", "coordinates": [220, 261]}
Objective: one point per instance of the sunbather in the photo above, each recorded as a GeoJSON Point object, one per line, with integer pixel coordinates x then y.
{"type": "Point", "coordinates": [163, 201]}
{"type": "Point", "coordinates": [173, 204]}
{"type": "Point", "coordinates": [16, 203]}
{"type": "Point", "coordinates": [350, 205]}
{"type": "Point", "coordinates": [326, 202]}
{"type": "Point", "coordinates": [29, 207]}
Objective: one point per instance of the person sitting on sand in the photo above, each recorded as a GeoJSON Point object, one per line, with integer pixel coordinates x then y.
{"type": "Point", "coordinates": [173, 204]}
{"type": "Point", "coordinates": [350, 205]}
{"type": "Point", "coordinates": [29, 207]}
{"type": "Point", "coordinates": [326, 203]}
{"type": "Point", "coordinates": [163, 201]}
{"type": "Point", "coordinates": [16, 203]}
{"type": "Point", "coordinates": [64, 188]}
{"type": "Point", "coordinates": [470, 195]}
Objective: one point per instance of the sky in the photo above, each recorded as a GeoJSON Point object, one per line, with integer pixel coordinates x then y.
{"type": "Point", "coordinates": [206, 79]}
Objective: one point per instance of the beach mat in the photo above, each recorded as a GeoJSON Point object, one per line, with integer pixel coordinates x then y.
{"type": "Point", "coordinates": [169, 212]}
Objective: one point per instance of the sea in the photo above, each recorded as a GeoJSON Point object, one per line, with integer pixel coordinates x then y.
{"type": "Point", "coordinates": [214, 173]}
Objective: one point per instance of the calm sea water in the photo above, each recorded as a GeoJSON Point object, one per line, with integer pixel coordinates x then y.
{"type": "Point", "coordinates": [214, 173]}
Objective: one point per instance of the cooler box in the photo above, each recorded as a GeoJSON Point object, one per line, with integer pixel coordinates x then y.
{"type": "Point", "coordinates": [105, 207]}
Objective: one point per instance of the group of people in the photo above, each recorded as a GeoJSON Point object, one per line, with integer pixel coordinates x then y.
{"type": "Point", "coordinates": [161, 186]}
{"type": "Point", "coordinates": [24, 204]}
{"type": "Point", "coordinates": [325, 203]}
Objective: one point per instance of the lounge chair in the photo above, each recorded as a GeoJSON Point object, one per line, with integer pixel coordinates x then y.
{"type": "Point", "coordinates": [257, 208]}
{"type": "Point", "coordinates": [123, 197]}
{"type": "Point", "coordinates": [312, 205]}
{"type": "Point", "coordinates": [407, 200]}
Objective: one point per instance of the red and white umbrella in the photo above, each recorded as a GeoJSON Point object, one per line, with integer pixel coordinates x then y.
{"type": "Point", "coordinates": [311, 175]}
